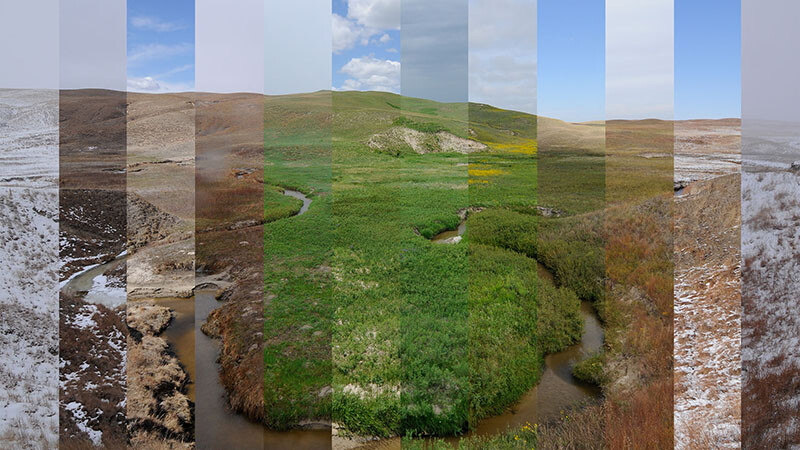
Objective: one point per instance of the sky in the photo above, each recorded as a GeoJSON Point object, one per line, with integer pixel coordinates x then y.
{"type": "Point", "coordinates": [771, 69]}
{"type": "Point", "coordinates": [571, 59]}
{"type": "Point", "coordinates": [297, 58]}
{"type": "Point", "coordinates": [640, 59]}
{"type": "Point", "coordinates": [707, 59]}
{"type": "Point", "coordinates": [92, 44]}
{"type": "Point", "coordinates": [160, 45]}
{"type": "Point", "coordinates": [366, 45]}
{"type": "Point", "coordinates": [591, 59]}
{"type": "Point", "coordinates": [35, 64]}
{"type": "Point", "coordinates": [502, 53]}
{"type": "Point", "coordinates": [229, 46]}
{"type": "Point", "coordinates": [435, 51]}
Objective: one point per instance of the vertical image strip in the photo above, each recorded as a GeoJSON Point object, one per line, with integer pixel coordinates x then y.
{"type": "Point", "coordinates": [160, 220]}
{"type": "Point", "coordinates": [229, 224]}
{"type": "Point", "coordinates": [430, 197]}
{"type": "Point", "coordinates": [29, 224]}
{"type": "Point", "coordinates": [92, 224]}
{"type": "Point", "coordinates": [569, 239]}
{"type": "Point", "coordinates": [770, 219]}
{"type": "Point", "coordinates": [706, 225]}
{"type": "Point", "coordinates": [297, 229]}
{"type": "Point", "coordinates": [638, 303]}
{"type": "Point", "coordinates": [369, 235]}
{"type": "Point", "coordinates": [504, 355]}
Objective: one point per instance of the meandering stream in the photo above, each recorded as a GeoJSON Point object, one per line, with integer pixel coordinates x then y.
{"type": "Point", "coordinates": [217, 425]}
{"type": "Point", "coordinates": [301, 196]}
{"type": "Point", "coordinates": [92, 283]}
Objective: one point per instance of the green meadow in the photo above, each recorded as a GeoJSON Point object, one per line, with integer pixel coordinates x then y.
{"type": "Point", "coordinates": [371, 325]}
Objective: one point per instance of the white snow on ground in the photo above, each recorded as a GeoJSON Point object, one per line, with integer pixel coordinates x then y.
{"type": "Point", "coordinates": [770, 248]}
{"type": "Point", "coordinates": [29, 138]}
{"type": "Point", "coordinates": [80, 417]}
{"type": "Point", "coordinates": [28, 269]}
{"type": "Point", "coordinates": [770, 286]}
{"type": "Point", "coordinates": [707, 357]}
{"type": "Point", "coordinates": [110, 293]}
{"type": "Point", "coordinates": [707, 282]}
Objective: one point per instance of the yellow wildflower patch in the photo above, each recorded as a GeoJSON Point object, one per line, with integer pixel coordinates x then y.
{"type": "Point", "coordinates": [486, 172]}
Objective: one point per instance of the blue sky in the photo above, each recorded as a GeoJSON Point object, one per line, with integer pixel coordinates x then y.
{"type": "Point", "coordinates": [571, 59]}
{"type": "Point", "coordinates": [707, 59]}
{"type": "Point", "coordinates": [366, 45]}
{"type": "Point", "coordinates": [160, 45]}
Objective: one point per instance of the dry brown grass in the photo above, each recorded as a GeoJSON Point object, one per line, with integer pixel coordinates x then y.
{"type": "Point", "coordinates": [229, 236]}
{"type": "Point", "coordinates": [578, 430]}
{"type": "Point", "coordinates": [93, 347]}
{"type": "Point", "coordinates": [641, 421]}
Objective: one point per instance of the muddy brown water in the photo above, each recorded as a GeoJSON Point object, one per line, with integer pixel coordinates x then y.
{"type": "Point", "coordinates": [301, 196]}
{"type": "Point", "coordinates": [180, 334]}
{"type": "Point", "coordinates": [446, 237]}
{"type": "Point", "coordinates": [217, 426]}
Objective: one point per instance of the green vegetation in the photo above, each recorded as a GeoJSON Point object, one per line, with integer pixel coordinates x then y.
{"type": "Point", "coordinates": [590, 370]}
{"type": "Point", "coordinates": [297, 252]}
{"type": "Point", "coordinates": [427, 127]}
{"type": "Point", "coordinates": [420, 338]}
{"type": "Point", "coordinates": [424, 339]}
{"type": "Point", "coordinates": [524, 438]}
{"type": "Point", "coordinates": [400, 340]}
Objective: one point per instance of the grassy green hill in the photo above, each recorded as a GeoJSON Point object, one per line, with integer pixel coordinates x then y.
{"type": "Point", "coordinates": [414, 337]}
{"type": "Point", "coordinates": [374, 327]}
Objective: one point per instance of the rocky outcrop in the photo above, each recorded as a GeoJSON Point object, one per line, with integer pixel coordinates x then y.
{"type": "Point", "coordinates": [402, 140]}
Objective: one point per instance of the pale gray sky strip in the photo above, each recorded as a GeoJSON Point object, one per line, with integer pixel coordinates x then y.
{"type": "Point", "coordinates": [29, 44]}
{"type": "Point", "coordinates": [770, 64]}
{"type": "Point", "coordinates": [639, 59]}
{"type": "Point", "coordinates": [434, 54]}
{"type": "Point", "coordinates": [92, 42]}
{"type": "Point", "coordinates": [229, 46]}
{"type": "Point", "coordinates": [297, 46]}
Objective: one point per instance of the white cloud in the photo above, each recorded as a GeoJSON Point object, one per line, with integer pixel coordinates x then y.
{"type": "Point", "coordinates": [92, 44]}
{"type": "Point", "coordinates": [154, 24]}
{"type": "Point", "coordinates": [365, 19]}
{"type": "Point", "coordinates": [372, 74]}
{"type": "Point", "coordinates": [150, 52]}
{"type": "Point", "coordinates": [503, 80]}
{"type": "Point", "coordinates": [155, 85]}
{"type": "Point", "coordinates": [375, 14]}
{"type": "Point", "coordinates": [345, 33]}
{"type": "Point", "coordinates": [147, 84]}
{"type": "Point", "coordinates": [502, 23]}
{"type": "Point", "coordinates": [30, 49]}
{"type": "Point", "coordinates": [502, 53]}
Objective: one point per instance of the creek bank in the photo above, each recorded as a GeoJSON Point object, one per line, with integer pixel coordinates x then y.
{"type": "Point", "coordinates": [217, 423]}
{"type": "Point", "coordinates": [158, 407]}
